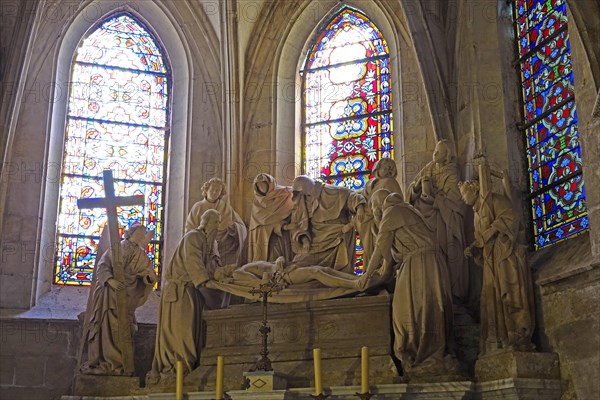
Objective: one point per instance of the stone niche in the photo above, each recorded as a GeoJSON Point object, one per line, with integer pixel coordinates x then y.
{"type": "Point", "coordinates": [338, 327]}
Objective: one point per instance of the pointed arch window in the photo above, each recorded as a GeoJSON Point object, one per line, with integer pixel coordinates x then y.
{"type": "Point", "coordinates": [118, 119]}
{"type": "Point", "coordinates": [557, 193]}
{"type": "Point", "coordinates": [347, 103]}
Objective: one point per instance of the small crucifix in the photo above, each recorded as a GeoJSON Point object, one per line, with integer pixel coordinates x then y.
{"type": "Point", "coordinates": [110, 202]}
{"type": "Point", "coordinates": [265, 290]}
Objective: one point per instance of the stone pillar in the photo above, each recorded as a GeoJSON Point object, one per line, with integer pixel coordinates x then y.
{"type": "Point", "coordinates": [592, 175]}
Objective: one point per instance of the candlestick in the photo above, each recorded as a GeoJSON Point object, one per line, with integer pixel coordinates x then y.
{"type": "Point", "coordinates": [179, 381]}
{"type": "Point", "coordinates": [219, 384]}
{"type": "Point", "coordinates": [364, 369]}
{"type": "Point", "coordinates": [317, 361]}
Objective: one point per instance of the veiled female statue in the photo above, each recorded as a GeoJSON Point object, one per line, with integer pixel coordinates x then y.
{"type": "Point", "coordinates": [271, 209]}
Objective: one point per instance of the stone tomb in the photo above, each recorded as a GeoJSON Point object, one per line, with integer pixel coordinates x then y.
{"type": "Point", "coordinates": [338, 327]}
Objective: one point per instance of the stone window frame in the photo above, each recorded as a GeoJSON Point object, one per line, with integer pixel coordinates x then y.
{"type": "Point", "coordinates": [169, 34]}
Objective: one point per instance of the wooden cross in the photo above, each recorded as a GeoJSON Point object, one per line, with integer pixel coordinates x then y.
{"type": "Point", "coordinates": [110, 202]}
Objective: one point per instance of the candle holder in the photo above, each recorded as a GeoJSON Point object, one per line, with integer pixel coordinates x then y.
{"type": "Point", "coordinates": [364, 396]}
{"type": "Point", "coordinates": [320, 396]}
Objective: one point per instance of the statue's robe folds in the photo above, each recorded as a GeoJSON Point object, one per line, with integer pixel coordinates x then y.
{"type": "Point", "coordinates": [266, 238]}
{"type": "Point", "coordinates": [179, 330]}
{"type": "Point", "coordinates": [507, 313]}
{"type": "Point", "coordinates": [321, 218]}
{"type": "Point", "coordinates": [103, 348]}
{"type": "Point", "coordinates": [422, 303]}
{"type": "Point", "coordinates": [444, 213]}
{"type": "Point", "coordinates": [367, 229]}
{"type": "Point", "coordinates": [231, 233]}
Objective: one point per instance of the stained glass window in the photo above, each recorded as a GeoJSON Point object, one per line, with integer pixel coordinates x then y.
{"type": "Point", "coordinates": [557, 192]}
{"type": "Point", "coordinates": [347, 120]}
{"type": "Point", "coordinates": [117, 119]}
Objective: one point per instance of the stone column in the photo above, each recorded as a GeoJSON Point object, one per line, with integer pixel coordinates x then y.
{"type": "Point", "coordinates": [591, 172]}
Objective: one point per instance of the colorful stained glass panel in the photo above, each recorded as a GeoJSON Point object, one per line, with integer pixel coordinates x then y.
{"type": "Point", "coordinates": [543, 22]}
{"type": "Point", "coordinates": [122, 42]}
{"type": "Point", "coordinates": [350, 30]}
{"type": "Point", "coordinates": [326, 145]}
{"type": "Point", "coordinates": [132, 152]}
{"type": "Point", "coordinates": [541, 71]}
{"type": "Point", "coordinates": [117, 119]}
{"type": "Point", "coordinates": [552, 138]}
{"type": "Point", "coordinates": [531, 12]}
{"type": "Point", "coordinates": [545, 101]}
{"type": "Point", "coordinates": [560, 212]}
{"type": "Point", "coordinates": [347, 99]}
{"type": "Point", "coordinates": [347, 104]}
{"type": "Point", "coordinates": [129, 97]}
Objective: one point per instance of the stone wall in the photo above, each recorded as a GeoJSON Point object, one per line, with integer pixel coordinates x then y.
{"type": "Point", "coordinates": [571, 324]}
{"type": "Point", "coordinates": [38, 357]}
{"type": "Point", "coordinates": [568, 322]}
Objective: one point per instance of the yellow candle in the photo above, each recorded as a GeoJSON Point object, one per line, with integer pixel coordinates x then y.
{"type": "Point", "coordinates": [317, 360]}
{"type": "Point", "coordinates": [219, 385]}
{"type": "Point", "coordinates": [364, 370]}
{"type": "Point", "coordinates": [179, 381]}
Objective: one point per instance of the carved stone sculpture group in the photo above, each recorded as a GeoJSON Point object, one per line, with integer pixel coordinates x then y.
{"type": "Point", "coordinates": [306, 235]}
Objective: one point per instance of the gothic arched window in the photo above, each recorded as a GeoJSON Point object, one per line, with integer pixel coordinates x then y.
{"type": "Point", "coordinates": [557, 193]}
{"type": "Point", "coordinates": [347, 103]}
{"type": "Point", "coordinates": [118, 119]}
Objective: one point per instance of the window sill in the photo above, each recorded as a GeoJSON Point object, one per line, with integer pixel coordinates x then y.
{"type": "Point", "coordinates": [67, 302]}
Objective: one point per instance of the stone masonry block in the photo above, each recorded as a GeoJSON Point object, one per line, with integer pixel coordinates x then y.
{"type": "Point", "coordinates": [30, 371]}
{"type": "Point", "coordinates": [7, 370]}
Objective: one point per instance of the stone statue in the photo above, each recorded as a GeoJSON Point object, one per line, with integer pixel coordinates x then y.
{"type": "Point", "coordinates": [507, 318]}
{"type": "Point", "coordinates": [271, 210]}
{"type": "Point", "coordinates": [101, 326]}
{"type": "Point", "coordinates": [434, 192]}
{"type": "Point", "coordinates": [179, 330]}
{"type": "Point", "coordinates": [290, 274]}
{"type": "Point", "coordinates": [320, 220]}
{"type": "Point", "coordinates": [422, 303]}
{"type": "Point", "coordinates": [385, 172]}
{"type": "Point", "coordinates": [232, 232]}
